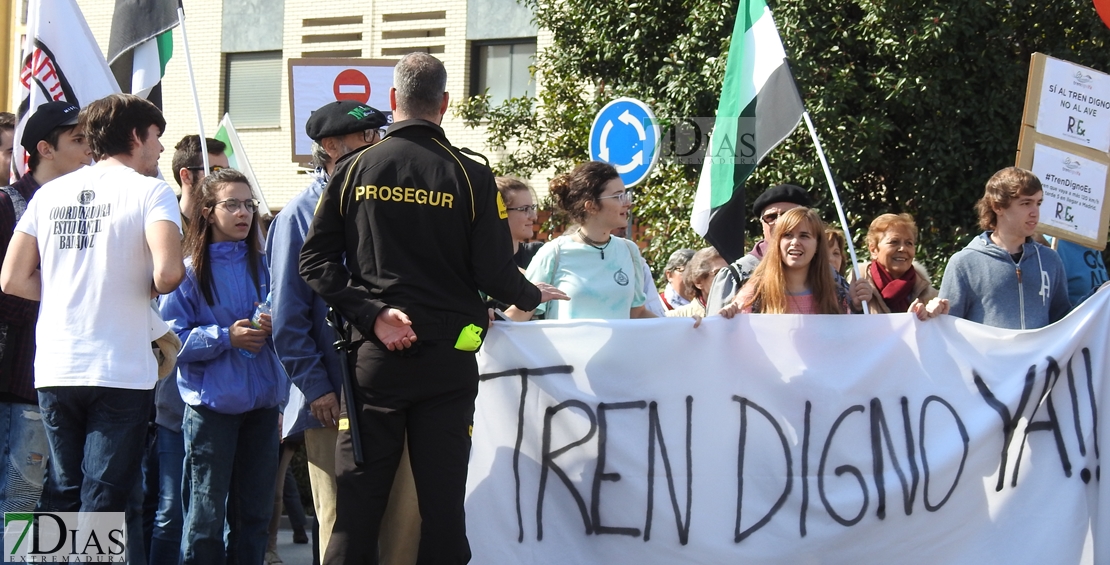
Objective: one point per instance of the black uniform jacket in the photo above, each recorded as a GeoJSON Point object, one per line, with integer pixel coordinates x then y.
{"type": "Point", "coordinates": [413, 224]}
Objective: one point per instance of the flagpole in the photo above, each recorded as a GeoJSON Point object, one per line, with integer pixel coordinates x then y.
{"type": "Point", "coordinates": [193, 85]}
{"type": "Point", "coordinates": [836, 200]}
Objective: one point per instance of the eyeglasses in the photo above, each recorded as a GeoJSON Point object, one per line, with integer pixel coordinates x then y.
{"type": "Point", "coordinates": [368, 135]}
{"type": "Point", "coordinates": [770, 217]}
{"type": "Point", "coordinates": [525, 208]}
{"type": "Point", "coordinates": [232, 205]}
{"type": "Point", "coordinates": [622, 197]}
{"type": "Point", "coordinates": [213, 168]}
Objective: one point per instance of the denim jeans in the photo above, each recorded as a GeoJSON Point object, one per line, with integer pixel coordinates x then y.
{"type": "Point", "coordinates": [96, 437]}
{"type": "Point", "coordinates": [232, 458]}
{"type": "Point", "coordinates": [25, 452]}
{"type": "Point", "coordinates": [165, 543]}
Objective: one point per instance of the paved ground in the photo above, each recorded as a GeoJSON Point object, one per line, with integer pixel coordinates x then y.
{"type": "Point", "coordinates": [292, 553]}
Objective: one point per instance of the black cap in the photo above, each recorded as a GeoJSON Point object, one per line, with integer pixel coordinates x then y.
{"type": "Point", "coordinates": [48, 116]}
{"type": "Point", "coordinates": [341, 118]}
{"type": "Point", "coordinates": [781, 193]}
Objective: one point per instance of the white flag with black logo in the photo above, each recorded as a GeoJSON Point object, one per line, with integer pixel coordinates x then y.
{"type": "Point", "coordinates": [60, 61]}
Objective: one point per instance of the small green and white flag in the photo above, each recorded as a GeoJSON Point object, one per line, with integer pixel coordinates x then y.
{"type": "Point", "coordinates": [237, 158]}
{"type": "Point", "coordinates": [759, 108]}
{"type": "Point", "coordinates": [141, 44]}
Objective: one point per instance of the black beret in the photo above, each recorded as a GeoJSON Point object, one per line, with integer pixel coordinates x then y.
{"type": "Point", "coordinates": [781, 193]}
{"type": "Point", "coordinates": [341, 118]}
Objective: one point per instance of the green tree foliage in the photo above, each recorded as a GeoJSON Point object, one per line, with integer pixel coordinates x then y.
{"type": "Point", "coordinates": [917, 103]}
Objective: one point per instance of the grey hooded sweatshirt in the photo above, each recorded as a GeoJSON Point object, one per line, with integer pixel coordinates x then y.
{"type": "Point", "coordinates": [983, 284]}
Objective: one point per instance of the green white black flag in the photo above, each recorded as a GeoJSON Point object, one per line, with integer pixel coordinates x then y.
{"type": "Point", "coordinates": [759, 108]}
{"type": "Point", "coordinates": [141, 44]}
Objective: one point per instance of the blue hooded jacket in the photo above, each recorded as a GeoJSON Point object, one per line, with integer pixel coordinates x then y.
{"type": "Point", "coordinates": [983, 284]}
{"type": "Point", "coordinates": [211, 372]}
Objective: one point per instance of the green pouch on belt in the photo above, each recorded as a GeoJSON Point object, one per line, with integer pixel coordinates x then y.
{"type": "Point", "coordinates": [470, 338]}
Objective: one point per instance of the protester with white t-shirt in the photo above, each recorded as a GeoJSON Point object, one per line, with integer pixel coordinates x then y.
{"type": "Point", "coordinates": [108, 238]}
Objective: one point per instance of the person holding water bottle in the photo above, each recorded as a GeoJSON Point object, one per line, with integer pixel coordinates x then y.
{"type": "Point", "coordinates": [229, 375]}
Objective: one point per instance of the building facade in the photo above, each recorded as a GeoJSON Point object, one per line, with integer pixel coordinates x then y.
{"type": "Point", "coordinates": [240, 51]}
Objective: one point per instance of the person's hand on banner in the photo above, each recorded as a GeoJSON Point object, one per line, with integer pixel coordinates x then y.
{"type": "Point", "coordinates": [730, 310]}
{"type": "Point", "coordinates": [934, 308]}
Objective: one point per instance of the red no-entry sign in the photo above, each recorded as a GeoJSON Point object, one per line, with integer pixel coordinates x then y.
{"type": "Point", "coordinates": [351, 84]}
{"type": "Point", "coordinates": [1103, 8]}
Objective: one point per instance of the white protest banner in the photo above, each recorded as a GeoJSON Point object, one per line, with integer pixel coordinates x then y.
{"type": "Point", "coordinates": [1074, 188]}
{"type": "Point", "coordinates": [1075, 104]}
{"type": "Point", "coordinates": [791, 439]}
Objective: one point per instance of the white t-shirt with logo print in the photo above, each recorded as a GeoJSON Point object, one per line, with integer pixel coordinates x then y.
{"type": "Point", "coordinates": [93, 326]}
{"type": "Point", "coordinates": [606, 288]}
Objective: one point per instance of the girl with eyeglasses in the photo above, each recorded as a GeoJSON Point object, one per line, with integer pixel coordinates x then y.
{"type": "Point", "coordinates": [603, 274]}
{"type": "Point", "coordinates": [520, 205]}
{"type": "Point", "coordinates": [230, 376]}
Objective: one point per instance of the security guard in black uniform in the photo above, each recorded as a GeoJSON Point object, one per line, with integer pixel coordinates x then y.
{"type": "Point", "coordinates": [405, 235]}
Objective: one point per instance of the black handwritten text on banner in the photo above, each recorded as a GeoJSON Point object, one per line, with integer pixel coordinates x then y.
{"type": "Point", "coordinates": [801, 439]}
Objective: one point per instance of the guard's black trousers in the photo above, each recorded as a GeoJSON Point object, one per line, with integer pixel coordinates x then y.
{"type": "Point", "coordinates": [430, 394]}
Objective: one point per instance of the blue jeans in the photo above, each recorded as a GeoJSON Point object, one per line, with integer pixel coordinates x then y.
{"type": "Point", "coordinates": [232, 458]}
{"type": "Point", "coordinates": [25, 452]}
{"type": "Point", "coordinates": [24, 455]}
{"type": "Point", "coordinates": [96, 436]}
{"type": "Point", "coordinates": [165, 543]}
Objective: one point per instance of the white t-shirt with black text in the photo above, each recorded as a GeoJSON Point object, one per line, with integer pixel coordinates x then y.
{"type": "Point", "coordinates": [93, 326]}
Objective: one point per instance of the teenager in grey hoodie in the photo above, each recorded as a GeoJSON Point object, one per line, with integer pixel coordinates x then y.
{"type": "Point", "coordinates": [1003, 278]}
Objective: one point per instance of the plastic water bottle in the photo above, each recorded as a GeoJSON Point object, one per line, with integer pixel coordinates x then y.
{"type": "Point", "coordinates": [256, 321]}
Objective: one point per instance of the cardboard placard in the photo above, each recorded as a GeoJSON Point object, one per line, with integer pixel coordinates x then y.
{"type": "Point", "coordinates": [1065, 139]}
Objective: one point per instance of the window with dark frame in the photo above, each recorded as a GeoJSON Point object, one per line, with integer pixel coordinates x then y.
{"type": "Point", "coordinates": [252, 88]}
{"type": "Point", "coordinates": [501, 68]}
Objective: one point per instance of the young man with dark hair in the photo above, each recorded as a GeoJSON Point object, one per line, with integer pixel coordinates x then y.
{"type": "Point", "coordinates": [1003, 278]}
{"type": "Point", "coordinates": [188, 167]}
{"type": "Point", "coordinates": [107, 239]}
{"type": "Point", "coordinates": [56, 147]}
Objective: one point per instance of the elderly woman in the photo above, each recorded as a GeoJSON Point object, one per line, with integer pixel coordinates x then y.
{"type": "Point", "coordinates": [898, 284]}
{"type": "Point", "coordinates": [697, 278]}
{"type": "Point", "coordinates": [677, 293]}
